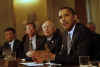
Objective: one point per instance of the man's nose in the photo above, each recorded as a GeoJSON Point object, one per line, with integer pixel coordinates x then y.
{"type": "Point", "coordinates": [46, 28]}
{"type": "Point", "coordinates": [63, 18]}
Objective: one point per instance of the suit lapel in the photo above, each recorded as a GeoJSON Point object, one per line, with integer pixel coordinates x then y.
{"type": "Point", "coordinates": [64, 45]}
{"type": "Point", "coordinates": [26, 44]}
{"type": "Point", "coordinates": [74, 40]}
{"type": "Point", "coordinates": [37, 42]}
{"type": "Point", "coordinates": [14, 46]}
{"type": "Point", "coordinates": [7, 45]}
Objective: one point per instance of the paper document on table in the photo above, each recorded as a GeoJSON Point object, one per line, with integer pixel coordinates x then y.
{"type": "Point", "coordinates": [52, 64]}
{"type": "Point", "coordinates": [32, 64]}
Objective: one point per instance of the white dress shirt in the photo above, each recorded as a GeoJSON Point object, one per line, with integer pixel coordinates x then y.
{"type": "Point", "coordinates": [33, 42]}
{"type": "Point", "coordinates": [11, 44]}
{"type": "Point", "coordinates": [49, 38]}
{"type": "Point", "coordinates": [71, 32]}
{"type": "Point", "coordinates": [70, 35]}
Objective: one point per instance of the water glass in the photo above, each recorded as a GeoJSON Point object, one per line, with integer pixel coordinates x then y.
{"type": "Point", "coordinates": [8, 54]}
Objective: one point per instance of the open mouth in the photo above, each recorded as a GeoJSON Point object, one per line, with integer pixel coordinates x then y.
{"type": "Point", "coordinates": [47, 32]}
{"type": "Point", "coordinates": [65, 24]}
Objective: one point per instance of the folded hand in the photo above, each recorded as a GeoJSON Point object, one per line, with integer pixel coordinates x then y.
{"type": "Point", "coordinates": [42, 55]}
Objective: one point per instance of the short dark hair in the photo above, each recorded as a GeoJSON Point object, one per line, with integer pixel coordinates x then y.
{"type": "Point", "coordinates": [32, 24]}
{"type": "Point", "coordinates": [69, 8]}
{"type": "Point", "coordinates": [10, 29]}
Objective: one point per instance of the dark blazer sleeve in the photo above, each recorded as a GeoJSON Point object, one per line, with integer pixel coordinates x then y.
{"type": "Point", "coordinates": [40, 42]}
{"type": "Point", "coordinates": [1, 51]}
{"type": "Point", "coordinates": [96, 47]}
{"type": "Point", "coordinates": [18, 48]}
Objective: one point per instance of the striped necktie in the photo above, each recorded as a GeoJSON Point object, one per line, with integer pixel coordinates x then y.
{"type": "Point", "coordinates": [30, 44]}
{"type": "Point", "coordinates": [69, 44]}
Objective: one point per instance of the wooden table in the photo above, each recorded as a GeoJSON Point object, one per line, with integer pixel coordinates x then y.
{"type": "Point", "coordinates": [16, 63]}
{"type": "Point", "coordinates": [4, 63]}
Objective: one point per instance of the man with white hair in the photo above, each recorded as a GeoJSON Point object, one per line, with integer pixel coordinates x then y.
{"type": "Point", "coordinates": [53, 36]}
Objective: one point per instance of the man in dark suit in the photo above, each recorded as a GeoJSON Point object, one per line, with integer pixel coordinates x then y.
{"type": "Point", "coordinates": [96, 37]}
{"type": "Point", "coordinates": [12, 43]}
{"type": "Point", "coordinates": [53, 36]}
{"type": "Point", "coordinates": [32, 41]}
{"type": "Point", "coordinates": [77, 40]}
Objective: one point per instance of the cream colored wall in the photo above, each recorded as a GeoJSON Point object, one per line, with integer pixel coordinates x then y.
{"type": "Point", "coordinates": [5, 17]}
{"type": "Point", "coordinates": [22, 12]}
{"type": "Point", "coordinates": [95, 12]}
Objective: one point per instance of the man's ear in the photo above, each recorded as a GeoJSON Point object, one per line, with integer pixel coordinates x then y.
{"type": "Point", "coordinates": [15, 35]}
{"type": "Point", "coordinates": [54, 29]}
{"type": "Point", "coordinates": [75, 17]}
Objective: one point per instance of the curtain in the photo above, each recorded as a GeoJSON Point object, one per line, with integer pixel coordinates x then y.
{"type": "Point", "coordinates": [80, 7]}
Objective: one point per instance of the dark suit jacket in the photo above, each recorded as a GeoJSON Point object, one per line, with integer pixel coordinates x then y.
{"type": "Point", "coordinates": [17, 47]}
{"type": "Point", "coordinates": [55, 43]}
{"type": "Point", "coordinates": [81, 46]}
{"type": "Point", "coordinates": [96, 47]}
{"type": "Point", "coordinates": [40, 41]}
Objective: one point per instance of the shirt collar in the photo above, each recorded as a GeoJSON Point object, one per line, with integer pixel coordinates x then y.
{"type": "Point", "coordinates": [49, 38]}
{"type": "Point", "coordinates": [33, 37]}
{"type": "Point", "coordinates": [12, 42]}
{"type": "Point", "coordinates": [71, 31]}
